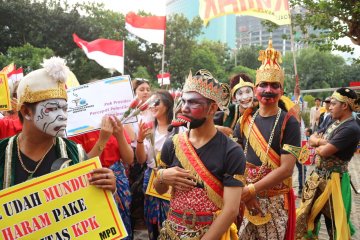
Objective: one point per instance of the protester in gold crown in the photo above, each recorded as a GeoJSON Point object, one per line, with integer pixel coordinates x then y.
{"type": "Point", "coordinates": [271, 140]}
{"type": "Point", "coordinates": [204, 167]}
{"type": "Point", "coordinates": [42, 105]}
{"type": "Point", "coordinates": [327, 190]}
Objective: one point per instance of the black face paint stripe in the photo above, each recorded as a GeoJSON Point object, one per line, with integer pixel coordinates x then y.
{"type": "Point", "coordinates": [58, 116]}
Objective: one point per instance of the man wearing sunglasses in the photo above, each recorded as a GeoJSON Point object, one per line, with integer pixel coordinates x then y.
{"type": "Point", "coordinates": [270, 137]}
{"type": "Point", "coordinates": [203, 166]}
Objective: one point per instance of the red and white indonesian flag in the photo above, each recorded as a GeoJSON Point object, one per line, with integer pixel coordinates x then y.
{"type": "Point", "coordinates": [150, 28]}
{"type": "Point", "coordinates": [108, 53]}
{"type": "Point", "coordinates": [163, 79]}
{"type": "Point", "coordinates": [14, 77]}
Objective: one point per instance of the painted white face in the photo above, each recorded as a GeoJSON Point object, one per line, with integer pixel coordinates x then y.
{"type": "Point", "coordinates": [51, 117]}
{"type": "Point", "coordinates": [244, 96]}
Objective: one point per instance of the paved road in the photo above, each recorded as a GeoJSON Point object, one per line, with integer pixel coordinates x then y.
{"type": "Point", "coordinates": [354, 169]}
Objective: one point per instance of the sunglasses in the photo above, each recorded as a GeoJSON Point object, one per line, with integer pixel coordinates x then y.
{"type": "Point", "coordinates": [157, 103]}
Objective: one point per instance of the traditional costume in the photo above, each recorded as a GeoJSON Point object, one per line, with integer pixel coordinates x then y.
{"type": "Point", "coordinates": [221, 118]}
{"type": "Point", "coordinates": [327, 190]}
{"type": "Point", "coordinates": [42, 84]}
{"type": "Point", "coordinates": [264, 140]}
{"type": "Point", "coordinates": [218, 163]}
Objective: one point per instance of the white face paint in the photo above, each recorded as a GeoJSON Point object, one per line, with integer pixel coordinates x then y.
{"type": "Point", "coordinates": [51, 117]}
{"type": "Point", "coordinates": [244, 96]}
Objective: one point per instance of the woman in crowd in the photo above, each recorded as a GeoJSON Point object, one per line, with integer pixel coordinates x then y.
{"type": "Point", "coordinates": [142, 90]}
{"type": "Point", "coordinates": [155, 209]}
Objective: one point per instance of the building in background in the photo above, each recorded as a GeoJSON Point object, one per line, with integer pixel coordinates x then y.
{"type": "Point", "coordinates": [237, 31]}
{"type": "Point", "coordinates": [221, 29]}
{"type": "Point", "coordinates": [250, 32]}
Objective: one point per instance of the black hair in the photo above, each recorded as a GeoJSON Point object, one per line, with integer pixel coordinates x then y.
{"type": "Point", "coordinates": [236, 79]}
{"type": "Point", "coordinates": [31, 106]}
{"type": "Point", "coordinates": [166, 98]}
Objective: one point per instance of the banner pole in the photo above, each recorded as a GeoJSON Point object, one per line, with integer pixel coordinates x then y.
{"type": "Point", "coordinates": [162, 65]}
{"type": "Point", "coordinates": [297, 85]}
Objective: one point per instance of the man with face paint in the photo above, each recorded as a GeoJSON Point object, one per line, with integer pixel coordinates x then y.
{"type": "Point", "coordinates": [42, 106]}
{"type": "Point", "coordinates": [328, 189]}
{"type": "Point", "coordinates": [270, 137]}
{"type": "Point", "coordinates": [203, 166]}
{"type": "Point", "coordinates": [242, 94]}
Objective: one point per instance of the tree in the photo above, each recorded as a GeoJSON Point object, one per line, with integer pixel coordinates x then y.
{"type": "Point", "coordinates": [248, 57]}
{"type": "Point", "coordinates": [316, 69]}
{"type": "Point", "coordinates": [27, 56]}
{"type": "Point", "coordinates": [211, 56]}
{"type": "Point", "coordinates": [331, 20]}
{"type": "Point", "coordinates": [241, 69]}
{"type": "Point", "coordinates": [44, 24]}
{"type": "Point", "coordinates": [180, 42]}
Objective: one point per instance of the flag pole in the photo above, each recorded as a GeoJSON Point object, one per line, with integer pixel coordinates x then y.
{"type": "Point", "coordinates": [162, 65]}
{"type": "Point", "coordinates": [297, 85]}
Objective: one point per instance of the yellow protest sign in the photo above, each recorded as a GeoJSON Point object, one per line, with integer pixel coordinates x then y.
{"type": "Point", "coordinates": [276, 11]}
{"type": "Point", "coordinates": [5, 103]}
{"type": "Point", "coordinates": [60, 205]}
{"type": "Point", "coordinates": [150, 190]}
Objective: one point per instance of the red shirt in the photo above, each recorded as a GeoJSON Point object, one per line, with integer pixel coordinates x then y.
{"type": "Point", "coordinates": [10, 126]}
{"type": "Point", "coordinates": [111, 152]}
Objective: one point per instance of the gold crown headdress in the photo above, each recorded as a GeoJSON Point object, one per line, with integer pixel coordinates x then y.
{"type": "Point", "coordinates": [45, 83]}
{"type": "Point", "coordinates": [205, 84]}
{"type": "Point", "coordinates": [270, 70]}
{"type": "Point", "coordinates": [241, 84]}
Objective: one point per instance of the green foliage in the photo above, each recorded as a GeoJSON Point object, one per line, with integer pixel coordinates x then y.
{"type": "Point", "coordinates": [27, 56]}
{"type": "Point", "coordinates": [318, 69]}
{"type": "Point", "coordinates": [310, 100]}
{"type": "Point", "coordinates": [331, 21]}
{"type": "Point", "coordinates": [181, 42]}
{"type": "Point", "coordinates": [241, 69]}
{"type": "Point", "coordinates": [43, 24]}
{"type": "Point", "coordinates": [248, 57]}
{"type": "Point", "coordinates": [85, 69]}
{"type": "Point", "coordinates": [305, 115]}
{"type": "Point", "coordinates": [141, 72]}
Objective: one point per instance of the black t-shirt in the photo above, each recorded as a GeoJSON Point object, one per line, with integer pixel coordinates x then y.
{"type": "Point", "coordinates": [346, 138]}
{"type": "Point", "coordinates": [45, 166]}
{"type": "Point", "coordinates": [221, 156]}
{"type": "Point", "coordinates": [265, 125]}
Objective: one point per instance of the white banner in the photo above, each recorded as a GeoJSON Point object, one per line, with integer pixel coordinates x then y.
{"type": "Point", "coordinates": [88, 103]}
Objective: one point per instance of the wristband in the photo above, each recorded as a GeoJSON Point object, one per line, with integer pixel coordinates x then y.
{"type": "Point", "coordinates": [140, 142]}
{"type": "Point", "coordinates": [252, 189]}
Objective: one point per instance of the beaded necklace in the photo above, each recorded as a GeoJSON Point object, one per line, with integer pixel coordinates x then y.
{"type": "Point", "coordinates": [269, 142]}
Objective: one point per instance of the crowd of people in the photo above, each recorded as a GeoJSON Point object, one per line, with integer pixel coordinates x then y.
{"type": "Point", "coordinates": [226, 157]}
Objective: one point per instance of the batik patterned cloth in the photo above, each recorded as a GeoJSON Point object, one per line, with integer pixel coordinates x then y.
{"type": "Point", "coordinates": [155, 209]}
{"type": "Point", "coordinates": [275, 228]}
{"type": "Point", "coordinates": [195, 200]}
{"type": "Point", "coordinates": [123, 196]}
